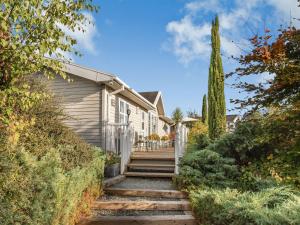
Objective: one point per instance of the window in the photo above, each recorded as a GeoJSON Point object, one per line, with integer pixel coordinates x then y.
{"type": "Point", "coordinates": [152, 123]}
{"type": "Point", "coordinates": [123, 107]}
{"type": "Point", "coordinates": [143, 121]}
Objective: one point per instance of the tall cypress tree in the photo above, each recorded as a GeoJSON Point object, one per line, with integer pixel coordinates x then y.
{"type": "Point", "coordinates": [216, 97]}
{"type": "Point", "coordinates": [204, 110]}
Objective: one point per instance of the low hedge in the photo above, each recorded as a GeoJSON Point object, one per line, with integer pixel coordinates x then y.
{"type": "Point", "coordinates": [272, 206]}
{"type": "Point", "coordinates": [205, 167]}
{"type": "Point", "coordinates": [34, 191]}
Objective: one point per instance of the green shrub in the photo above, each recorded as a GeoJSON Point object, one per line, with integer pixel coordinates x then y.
{"type": "Point", "coordinates": [208, 168]}
{"type": "Point", "coordinates": [48, 174]}
{"type": "Point", "coordinates": [112, 158]}
{"type": "Point", "coordinates": [39, 191]}
{"type": "Point", "coordinates": [201, 141]}
{"type": "Point", "coordinates": [272, 206]}
{"type": "Point", "coordinates": [244, 144]}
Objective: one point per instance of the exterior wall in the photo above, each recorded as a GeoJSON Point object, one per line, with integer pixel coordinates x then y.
{"type": "Point", "coordinates": [163, 128]}
{"type": "Point", "coordinates": [152, 122]}
{"type": "Point", "coordinates": [113, 108]}
{"type": "Point", "coordinates": [135, 116]}
{"type": "Point", "coordinates": [81, 100]}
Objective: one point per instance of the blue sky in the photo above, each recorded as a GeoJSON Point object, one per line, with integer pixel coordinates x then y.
{"type": "Point", "coordinates": [165, 44]}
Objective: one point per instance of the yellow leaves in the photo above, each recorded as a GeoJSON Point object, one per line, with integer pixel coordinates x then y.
{"type": "Point", "coordinates": [270, 157]}
{"type": "Point", "coordinates": [198, 128]}
{"type": "Point", "coordinates": [275, 175]}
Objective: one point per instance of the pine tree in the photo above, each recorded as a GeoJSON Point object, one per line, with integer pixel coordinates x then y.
{"type": "Point", "coordinates": [204, 110]}
{"type": "Point", "coordinates": [216, 96]}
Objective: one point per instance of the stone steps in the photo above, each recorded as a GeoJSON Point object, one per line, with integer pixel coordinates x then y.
{"type": "Point", "coordinates": [148, 174]}
{"type": "Point", "coordinates": [141, 220]}
{"type": "Point", "coordinates": [141, 206]}
{"type": "Point", "coordinates": [146, 193]}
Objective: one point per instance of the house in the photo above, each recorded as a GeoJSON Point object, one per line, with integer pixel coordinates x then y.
{"type": "Point", "coordinates": [231, 122]}
{"type": "Point", "coordinates": [163, 124]}
{"type": "Point", "coordinates": [100, 104]}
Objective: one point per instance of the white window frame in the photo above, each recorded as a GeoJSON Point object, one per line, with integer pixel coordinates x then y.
{"type": "Point", "coordinates": [123, 117]}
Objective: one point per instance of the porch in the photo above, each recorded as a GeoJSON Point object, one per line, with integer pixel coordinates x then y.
{"type": "Point", "coordinates": [145, 158]}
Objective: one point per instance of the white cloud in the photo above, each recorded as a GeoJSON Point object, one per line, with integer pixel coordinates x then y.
{"type": "Point", "coordinates": [286, 7]}
{"type": "Point", "coordinates": [189, 40]}
{"type": "Point", "coordinates": [190, 35]}
{"type": "Point", "coordinates": [229, 47]}
{"type": "Point", "coordinates": [85, 40]}
{"type": "Point", "coordinates": [195, 6]}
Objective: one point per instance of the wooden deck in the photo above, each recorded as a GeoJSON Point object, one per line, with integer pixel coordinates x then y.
{"type": "Point", "coordinates": [161, 153]}
{"type": "Point", "coordinates": [152, 163]}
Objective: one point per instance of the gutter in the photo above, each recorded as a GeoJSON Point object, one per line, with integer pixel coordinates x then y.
{"type": "Point", "coordinates": [124, 85]}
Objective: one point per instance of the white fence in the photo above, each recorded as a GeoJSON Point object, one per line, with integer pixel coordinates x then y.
{"type": "Point", "coordinates": [118, 138]}
{"type": "Point", "coordinates": [126, 140]}
{"type": "Point", "coordinates": [180, 143]}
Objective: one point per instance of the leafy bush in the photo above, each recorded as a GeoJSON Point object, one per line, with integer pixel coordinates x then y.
{"type": "Point", "coordinates": [201, 141]}
{"type": "Point", "coordinates": [154, 137]}
{"type": "Point", "coordinates": [272, 206]}
{"type": "Point", "coordinates": [112, 158]}
{"type": "Point", "coordinates": [244, 144]}
{"type": "Point", "coordinates": [198, 135]}
{"type": "Point", "coordinates": [165, 138]}
{"type": "Point", "coordinates": [40, 191]}
{"type": "Point", "coordinates": [48, 175]}
{"type": "Point", "coordinates": [208, 168]}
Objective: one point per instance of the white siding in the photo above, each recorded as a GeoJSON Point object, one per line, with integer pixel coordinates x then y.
{"type": "Point", "coordinates": [81, 100]}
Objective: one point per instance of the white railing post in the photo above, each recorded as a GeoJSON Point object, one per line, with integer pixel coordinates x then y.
{"type": "Point", "coordinates": [125, 146]}
{"type": "Point", "coordinates": [122, 149]}
{"type": "Point", "coordinates": [177, 147]}
{"type": "Point", "coordinates": [180, 144]}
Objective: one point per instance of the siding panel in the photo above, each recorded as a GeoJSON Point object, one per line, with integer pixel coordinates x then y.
{"type": "Point", "coordinates": [81, 100]}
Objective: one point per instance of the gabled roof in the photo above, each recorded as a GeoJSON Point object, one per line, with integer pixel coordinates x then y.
{"type": "Point", "coordinates": [150, 95]}
{"type": "Point", "coordinates": [232, 118]}
{"type": "Point", "coordinates": [109, 79]}
{"type": "Point", "coordinates": [155, 98]}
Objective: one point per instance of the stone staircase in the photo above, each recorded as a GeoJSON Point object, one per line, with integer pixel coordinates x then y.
{"type": "Point", "coordinates": [124, 205]}
{"type": "Point", "coordinates": [144, 195]}
{"type": "Point", "coordinates": [151, 164]}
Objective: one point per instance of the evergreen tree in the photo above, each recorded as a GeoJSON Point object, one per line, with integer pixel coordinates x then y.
{"type": "Point", "coordinates": [204, 110]}
{"type": "Point", "coordinates": [216, 97]}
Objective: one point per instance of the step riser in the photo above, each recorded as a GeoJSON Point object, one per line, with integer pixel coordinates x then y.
{"type": "Point", "coordinates": [142, 205]}
{"type": "Point", "coordinates": [141, 220]}
{"type": "Point", "coordinates": [152, 158]}
{"type": "Point", "coordinates": [144, 174]}
{"type": "Point", "coordinates": [146, 193]}
{"type": "Point", "coordinates": [153, 162]}
{"type": "Point", "coordinates": [155, 170]}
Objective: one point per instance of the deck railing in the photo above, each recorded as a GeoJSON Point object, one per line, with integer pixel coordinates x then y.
{"type": "Point", "coordinates": [180, 144]}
